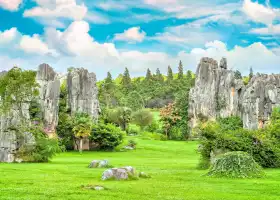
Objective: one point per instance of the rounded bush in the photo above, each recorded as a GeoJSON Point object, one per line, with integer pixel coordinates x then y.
{"type": "Point", "coordinates": [236, 164]}
{"type": "Point", "coordinates": [106, 136]}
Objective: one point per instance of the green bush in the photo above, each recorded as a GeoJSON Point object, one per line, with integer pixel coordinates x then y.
{"type": "Point", "coordinates": [152, 136]}
{"type": "Point", "coordinates": [133, 130]}
{"type": "Point", "coordinates": [42, 150]}
{"type": "Point", "coordinates": [175, 133]}
{"type": "Point", "coordinates": [154, 127]}
{"type": "Point", "coordinates": [259, 143]}
{"type": "Point", "coordinates": [132, 143]}
{"type": "Point", "coordinates": [230, 123]}
{"type": "Point", "coordinates": [106, 136]}
{"type": "Point", "coordinates": [236, 165]}
{"type": "Point", "coordinates": [143, 118]}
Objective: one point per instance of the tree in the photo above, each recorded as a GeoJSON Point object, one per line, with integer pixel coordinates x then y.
{"type": "Point", "coordinates": [17, 89]}
{"type": "Point", "coordinates": [180, 70]}
{"type": "Point", "coordinates": [120, 116]}
{"type": "Point", "coordinates": [159, 76]}
{"type": "Point", "coordinates": [148, 75]}
{"type": "Point", "coordinates": [126, 80]}
{"type": "Point", "coordinates": [169, 117]}
{"type": "Point", "coordinates": [143, 118]}
{"type": "Point", "coordinates": [169, 74]}
{"type": "Point", "coordinates": [237, 74]}
{"type": "Point", "coordinates": [82, 127]}
{"type": "Point", "coordinates": [108, 79]}
{"type": "Point", "coordinates": [251, 73]}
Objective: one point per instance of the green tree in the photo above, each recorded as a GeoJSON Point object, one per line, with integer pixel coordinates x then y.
{"type": "Point", "coordinates": [17, 88]}
{"type": "Point", "coordinates": [148, 75]}
{"type": "Point", "coordinates": [120, 116]}
{"type": "Point", "coordinates": [159, 76]}
{"type": "Point", "coordinates": [126, 80]}
{"type": "Point", "coordinates": [109, 79]}
{"type": "Point", "coordinates": [82, 127]}
{"type": "Point", "coordinates": [143, 118]}
{"type": "Point", "coordinates": [237, 74]}
{"type": "Point", "coordinates": [169, 74]}
{"type": "Point", "coordinates": [180, 70]}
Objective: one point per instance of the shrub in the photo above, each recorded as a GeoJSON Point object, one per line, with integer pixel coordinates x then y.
{"type": "Point", "coordinates": [236, 165]}
{"type": "Point", "coordinates": [230, 123]}
{"type": "Point", "coordinates": [132, 143]}
{"type": "Point", "coordinates": [153, 127]}
{"type": "Point", "coordinates": [42, 150]}
{"type": "Point", "coordinates": [106, 136]}
{"type": "Point", "coordinates": [259, 143]}
{"type": "Point", "coordinates": [175, 133]}
{"type": "Point", "coordinates": [143, 118]}
{"type": "Point", "coordinates": [133, 130]}
{"type": "Point", "coordinates": [120, 116]}
{"type": "Point", "coordinates": [152, 136]}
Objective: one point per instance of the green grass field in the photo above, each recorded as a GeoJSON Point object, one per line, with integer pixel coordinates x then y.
{"type": "Point", "coordinates": [172, 166]}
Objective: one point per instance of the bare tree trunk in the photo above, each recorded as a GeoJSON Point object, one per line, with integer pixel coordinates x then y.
{"type": "Point", "coordinates": [81, 145]}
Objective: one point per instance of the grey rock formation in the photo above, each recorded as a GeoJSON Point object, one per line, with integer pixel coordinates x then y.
{"type": "Point", "coordinates": [123, 173]}
{"type": "Point", "coordinates": [259, 98]}
{"type": "Point", "coordinates": [99, 164]}
{"type": "Point", "coordinates": [83, 92]}
{"type": "Point", "coordinates": [217, 93]}
{"type": "Point", "coordinates": [49, 92]}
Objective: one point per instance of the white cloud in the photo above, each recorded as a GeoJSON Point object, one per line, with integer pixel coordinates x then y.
{"type": "Point", "coordinates": [8, 35]}
{"type": "Point", "coordinates": [11, 5]}
{"type": "Point", "coordinates": [35, 45]}
{"type": "Point", "coordinates": [96, 18]}
{"type": "Point", "coordinates": [258, 12]}
{"type": "Point", "coordinates": [190, 34]}
{"type": "Point", "coordinates": [57, 9]}
{"type": "Point", "coordinates": [270, 30]}
{"type": "Point", "coordinates": [133, 34]}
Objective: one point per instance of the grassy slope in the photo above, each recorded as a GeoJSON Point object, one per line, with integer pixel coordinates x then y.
{"type": "Point", "coordinates": [171, 164]}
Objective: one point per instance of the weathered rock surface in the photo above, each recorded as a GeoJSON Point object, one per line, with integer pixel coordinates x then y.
{"type": "Point", "coordinates": [99, 164]}
{"type": "Point", "coordinates": [83, 92]}
{"type": "Point", "coordinates": [49, 92]}
{"type": "Point", "coordinates": [217, 93]}
{"type": "Point", "coordinates": [123, 173]}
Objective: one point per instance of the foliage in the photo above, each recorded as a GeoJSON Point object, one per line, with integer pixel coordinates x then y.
{"type": "Point", "coordinates": [169, 117]}
{"type": "Point", "coordinates": [106, 136]}
{"type": "Point", "coordinates": [237, 74]}
{"type": "Point", "coordinates": [152, 136]}
{"type": "Point", "coordinates": [180, 70]}
{"type": "Point", "coordinates": [230, 123]}
{"type": "Point", "coordinates": [132, 143]}
{"type": "Point", "coordinates": [169, 74]}
{"type": "Point", "coordinates": [259, 143]}
{"type": "Point", "coordinates": [43, 148]}
{"type": "Point", "coordinates": [120, 116]}
{"type": "Point", "coordinates": [236, 164]}
{"type": "Point", "coordinates": [143, 118]}
{"type": "Point", "coordinates": [246, 80]}
{"type": "Point", "coordinates": [133, 130]}
{"type": "Point", "coordinates": [35, 111]}
{"type": "Point", "coordinates": [17, 87]}
{"type": "Point", "coordinates": [251, 74]}
{"type": "Point", "coordinates": [153, 127]}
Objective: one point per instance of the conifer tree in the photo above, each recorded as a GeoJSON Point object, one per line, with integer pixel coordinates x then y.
{"type": "Point", "coordinates": [148, 75]}
{"type": "Point", "coordinates": [126, 80]}
{"type": "Point", "coordinates": [109, 78]}
{"type": "Point", "coordinates": [159, 76]}
{"type": "Point", "coordinates": [180, 70]}
{"type": "Point", "coordinates": [169, 74]}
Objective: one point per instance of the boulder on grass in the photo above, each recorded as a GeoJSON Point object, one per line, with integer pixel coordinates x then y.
{"type": "Point", "coordinates": [99, 164]}
{"type": "Point", "coordinates": [123, 173]}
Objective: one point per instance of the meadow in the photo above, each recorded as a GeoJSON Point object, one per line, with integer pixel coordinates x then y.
{"type": "Point", "coordinates": [171, 164]}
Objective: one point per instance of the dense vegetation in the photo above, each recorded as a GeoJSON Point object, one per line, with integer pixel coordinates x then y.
{"type": "Point", "coordinates": [228, 135]}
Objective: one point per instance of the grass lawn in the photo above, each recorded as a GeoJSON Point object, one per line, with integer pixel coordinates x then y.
{"type": "Point", "coordinates": [171, 165]}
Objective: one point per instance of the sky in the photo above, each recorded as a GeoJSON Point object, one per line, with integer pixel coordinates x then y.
{"type": "Point", "coordinates": [109, 35]}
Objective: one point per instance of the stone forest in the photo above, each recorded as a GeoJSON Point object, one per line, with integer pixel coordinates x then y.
{"type": "Point", "coordinates": [213, 134]}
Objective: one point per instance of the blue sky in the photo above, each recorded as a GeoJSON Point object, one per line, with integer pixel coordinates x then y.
{"type": "Point", "coordinates": [108, 35]}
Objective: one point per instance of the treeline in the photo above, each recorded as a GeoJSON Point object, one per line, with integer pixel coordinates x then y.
{"type": "Point", "coordinates": [154, 90]}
